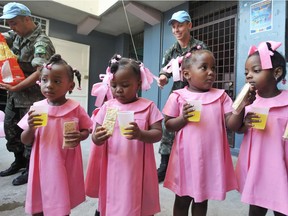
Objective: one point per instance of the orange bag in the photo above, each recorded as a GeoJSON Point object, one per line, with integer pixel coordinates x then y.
{"type": "Point", "coordinates": [10, 71]}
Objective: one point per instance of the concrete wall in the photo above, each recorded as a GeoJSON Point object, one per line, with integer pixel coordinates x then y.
{"type": "Point", "coordinates": [245, 39]}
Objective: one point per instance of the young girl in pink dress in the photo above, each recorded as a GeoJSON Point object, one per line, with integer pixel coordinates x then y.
{"type": "Point", "coordinates": [262, 166]}
{"type": "Point", "coordinates": [128, 181]}
{"type": "Point", "coordinates": [200, 166]}
{"type": "Point", "coordinates": [56, 181]}
{"type": "Point", "coordinates": [102, 92]}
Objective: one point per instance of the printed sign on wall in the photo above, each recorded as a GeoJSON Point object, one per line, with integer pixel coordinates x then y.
{"type": "Point", "coordinates": [261, 14]}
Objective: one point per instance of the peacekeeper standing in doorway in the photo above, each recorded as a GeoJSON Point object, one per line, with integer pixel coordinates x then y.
{"type": "Point", "coordinates": [181, 26]}
{"type": "Point", "coordinates": [32, 46]}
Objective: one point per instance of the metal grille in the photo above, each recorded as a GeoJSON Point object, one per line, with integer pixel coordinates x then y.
{"type": "Point", "coordinates": [218, 31]}
{"type": "Point", "coordinates": [220, 37]}
{"type": "Point", "coordinates": [42, 21]}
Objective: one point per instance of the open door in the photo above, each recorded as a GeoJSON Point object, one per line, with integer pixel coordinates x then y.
{"type": "Point", "coordinates": [77, 55]}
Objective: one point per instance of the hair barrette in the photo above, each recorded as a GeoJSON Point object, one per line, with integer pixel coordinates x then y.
{"type": "Point", "coordinates": [48, 66]}
{"type": "Point", "coordinates": [188, 55]}
{"type": "Point", "coordinates": [113, 61]}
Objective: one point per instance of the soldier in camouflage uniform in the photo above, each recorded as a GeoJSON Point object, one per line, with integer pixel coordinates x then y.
{"type": "Point", "coordinates": [181, 25]}
{"type": "Point", "coordinates": [33, 48]}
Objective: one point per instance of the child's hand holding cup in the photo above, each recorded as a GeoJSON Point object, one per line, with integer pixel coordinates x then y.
{"type": "Point", "coordinates": [197, 106]}
{"type": "Point", "coordinates": [262, 113]}
{"type": "Point", "coordinates": [124, 118]}
{"type": "Point", "coordinates": [40, 115]}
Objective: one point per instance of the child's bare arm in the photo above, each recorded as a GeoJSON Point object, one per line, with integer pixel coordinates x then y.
{"type": "Point", "coordinates": [235, 122]}
{"type": "Point", "coordinates": [175, 124]}
{"type": "Point", "coordinates": [152, 135]}
{"type": "Point", "coordinates": [27, 136]}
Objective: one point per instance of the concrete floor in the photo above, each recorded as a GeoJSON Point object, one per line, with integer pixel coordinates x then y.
{"type": "Point", "coordinates": [12, 198]}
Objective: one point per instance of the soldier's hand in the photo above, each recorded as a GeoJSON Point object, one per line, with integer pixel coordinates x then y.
{"type": "Point", "coordinates": [162, 81]}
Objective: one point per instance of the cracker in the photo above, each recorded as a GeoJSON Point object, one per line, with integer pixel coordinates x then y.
{"type": "Point", "coordinates": [70, 126]}
{"type": "Point", "coordinates": [238, 104]}
{"type": "Point", "coordinates": [110, 119]}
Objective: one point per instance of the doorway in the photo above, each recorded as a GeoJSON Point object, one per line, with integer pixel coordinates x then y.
{"type": "Point", "coordinates": [77, 56]}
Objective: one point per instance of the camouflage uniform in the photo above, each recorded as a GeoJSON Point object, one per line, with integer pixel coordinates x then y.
{"type": "Point", "coordinates": [32, 51]}
{"type": "Point", "coordinates": [173, 52]}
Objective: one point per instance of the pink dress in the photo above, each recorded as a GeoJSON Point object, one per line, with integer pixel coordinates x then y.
{"type": "Point", "coordinates": [92, 179]}
{"type": "Point", "coordinates": [200, 164]}
{"type": "Point", "coordinates": [262, 167]}
{"type": "Point", "coordinates": [56, 181]}
{"type": "Point", "coordinates": [129, 184]}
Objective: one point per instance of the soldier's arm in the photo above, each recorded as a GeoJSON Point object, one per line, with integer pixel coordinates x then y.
{"type": "Point", "coordinates": [43, 50]}
{"type": "Point", "coordinates": [164, 76]}
{"type": "Point", "coordinates": [26, 83]}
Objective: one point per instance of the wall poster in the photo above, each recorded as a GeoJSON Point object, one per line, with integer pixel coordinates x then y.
{"type": "Point", "coordinates": [261, 14]}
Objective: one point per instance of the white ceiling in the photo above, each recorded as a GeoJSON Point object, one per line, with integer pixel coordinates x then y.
{"type": "Point", "coordinates": [112, 21]}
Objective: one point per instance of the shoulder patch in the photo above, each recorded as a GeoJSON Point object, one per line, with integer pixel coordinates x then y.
{"type": "Point", "coordinates": [40, 49]}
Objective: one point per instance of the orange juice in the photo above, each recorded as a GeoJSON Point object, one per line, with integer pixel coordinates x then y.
{"type": "Point", "coordinates": [196, 117]}
{"type": "Point", "coordinates": [263, 119]}
{"type": "Point", "coordinates": [44, 118]}
{"type": "Point", "coordinates": [122, 130]}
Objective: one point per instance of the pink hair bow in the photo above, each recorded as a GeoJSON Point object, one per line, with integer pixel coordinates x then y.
{"type": "Point", "coordinates": [102, 89]}
{"type": "Point", "coordinates": [174, 67]}
{"type": "Point", "coordinates": [146, 77]}
{"type": "Point", "coordinates": [265, 53]}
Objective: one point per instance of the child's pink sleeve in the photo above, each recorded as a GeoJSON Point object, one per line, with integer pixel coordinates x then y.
{"type": "Point", "coordinates": [155, 114]}
{"type": "Point", "coordinates": [23, 123]}
{"type": "Point", "coordinates": [227, 103]}
{"type": "Point", "coordinates": [99, 118]}
{"type": "Point", "coordinates": [171, 107]}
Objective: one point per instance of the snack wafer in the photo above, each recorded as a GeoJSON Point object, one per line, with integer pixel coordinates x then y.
{"type": "Point", "coordinates": [238, 104]}
{"type": "Point", "coordinates": [109, 120]}
{"type": "Point", "coordinates": [70, 126]}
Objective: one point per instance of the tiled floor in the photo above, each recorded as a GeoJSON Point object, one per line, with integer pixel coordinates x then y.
{"type": "Point", "coordinates": [12, 197]}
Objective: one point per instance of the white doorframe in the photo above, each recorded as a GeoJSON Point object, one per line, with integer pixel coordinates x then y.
{"type": "Point", "coordinates": [77, 55]}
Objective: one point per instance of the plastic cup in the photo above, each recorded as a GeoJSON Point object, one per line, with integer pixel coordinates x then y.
{"type": "Point", "coordinates": [124, 118]}
{"type": "Point", "coordinates": [69, 125]}
{"type": "Point", "coordinates": [43, 112]}
{"type": "Point", "coordinates": [262, 112]}
{"type": "Point", "coordinates": [197, 106]}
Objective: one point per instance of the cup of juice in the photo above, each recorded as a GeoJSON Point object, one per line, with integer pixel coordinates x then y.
{"type": "Point", "coordinates": [124, 118]}
{"type": "Point", "coordinates": [262, 112]}
{"type": "Point", "coordinates": [197, 106]}
{"type": "Point", "coordinates": [43, 112]}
